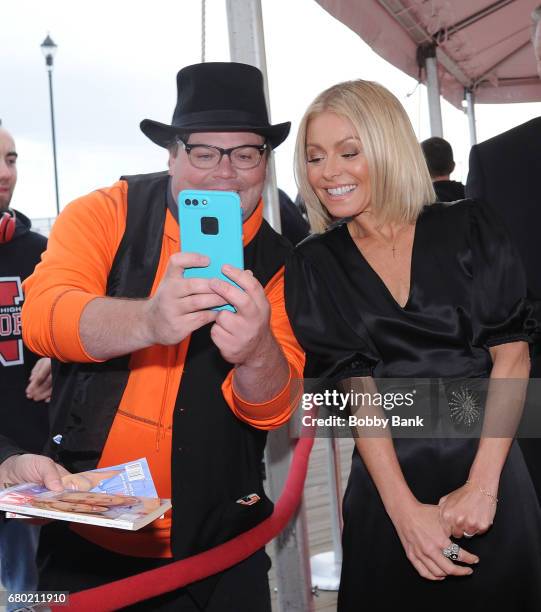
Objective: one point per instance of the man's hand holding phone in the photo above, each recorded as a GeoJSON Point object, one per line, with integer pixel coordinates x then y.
{"type": "Point", "coordinates": [243, 337]}
{"type": "Point", "coordinates": [181, 305]}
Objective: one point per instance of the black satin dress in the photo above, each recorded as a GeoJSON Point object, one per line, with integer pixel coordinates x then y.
{"type": "Point", "coordinates": [467, 294]}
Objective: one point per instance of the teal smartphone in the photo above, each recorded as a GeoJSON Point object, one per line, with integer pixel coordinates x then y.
{"type": "Point", "coordinates": [211, 224]}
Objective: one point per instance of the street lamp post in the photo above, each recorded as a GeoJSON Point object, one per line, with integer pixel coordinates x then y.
{"type": "Point", "coordinates": [48, 49]}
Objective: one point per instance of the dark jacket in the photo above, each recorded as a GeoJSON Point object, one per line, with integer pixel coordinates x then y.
{"type": "Point", "coordinates": [294, 226]}
{"type": "Point", "coordinates": [449, 191]}
{"type": "Point", "coordinates": [505, 171]}
{"type": "Point", "coordinates": [22, 420]}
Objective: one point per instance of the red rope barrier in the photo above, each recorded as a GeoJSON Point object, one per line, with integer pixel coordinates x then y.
{"type": "Point", "coordinates": [128, 591]}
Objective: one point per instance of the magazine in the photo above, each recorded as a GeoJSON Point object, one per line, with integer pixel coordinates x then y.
{"type": "Point", "coordinates": [121, 496]}
{"type": "Point", "coordinates": [131, 478]}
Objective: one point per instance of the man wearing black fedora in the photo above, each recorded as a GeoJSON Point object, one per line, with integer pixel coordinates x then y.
{"type": "Point", "coordinates": [146, 367]}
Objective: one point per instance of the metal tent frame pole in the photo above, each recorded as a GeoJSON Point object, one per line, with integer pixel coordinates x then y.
{"type": "Point", "coordinates": [291, 556]}
{"type": "Point", "coordinates": [326, 566]}
{"type": "Point", "coordinates": [469, 96]}
{"type": "Point", "coordinates": [427, 60]}
{"type": "Point", "coordinates": [433, 90]}
{"type": "Point", "coordinates": [247, 45]}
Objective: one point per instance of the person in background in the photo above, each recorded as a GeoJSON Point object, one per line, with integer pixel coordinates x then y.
{"type": "Point", "coordinates": [439, 159]}
{"type": "Point", "coordinates": [294, 226]}
{"type": "Point", "coordinates": [504, 173]}
{"type": "Point", "coordinates": [25, 380]}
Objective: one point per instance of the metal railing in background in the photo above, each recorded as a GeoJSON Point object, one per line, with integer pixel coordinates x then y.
{"type": "Point", "coordinates": [43, 225]}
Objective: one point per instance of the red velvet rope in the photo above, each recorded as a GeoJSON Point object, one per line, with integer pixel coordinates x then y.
{"type": "Point", "coordinates": [128, 591]}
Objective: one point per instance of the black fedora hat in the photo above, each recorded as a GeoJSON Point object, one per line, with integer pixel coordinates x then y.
{"type": "Point", "coordinates": [218, 97]}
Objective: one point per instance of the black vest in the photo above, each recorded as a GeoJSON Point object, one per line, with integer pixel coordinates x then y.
{"type": "Point", "coordinates": [216, 458]}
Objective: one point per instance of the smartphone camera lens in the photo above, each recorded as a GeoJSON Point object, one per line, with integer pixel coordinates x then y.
{"type": "Point", "coordinates": [187, 201]}
{"type": "Point", "coordinates": [195, 202]}
{"type": "Point", "coordinates": [204, 202]}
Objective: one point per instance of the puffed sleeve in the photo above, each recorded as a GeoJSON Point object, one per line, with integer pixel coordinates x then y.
{"type": "Point", "coordinates": [332, 349]}
{"type": "Point", "coordinates": [501, 311]}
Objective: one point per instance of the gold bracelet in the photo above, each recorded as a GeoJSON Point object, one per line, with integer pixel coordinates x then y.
{"type": "Point", "coordinates": [484, 492]}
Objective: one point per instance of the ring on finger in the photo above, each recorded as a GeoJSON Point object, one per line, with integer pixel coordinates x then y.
{"type": "Point", "coordinates": [451, 551]}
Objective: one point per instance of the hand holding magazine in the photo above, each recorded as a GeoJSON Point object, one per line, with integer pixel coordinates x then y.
{"type": "Point", "coordinates": [122, 496]}
{"type": "Point", "coordinates": [132, 478]}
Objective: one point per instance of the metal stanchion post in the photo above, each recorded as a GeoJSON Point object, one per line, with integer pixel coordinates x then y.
{"type": "Point", "coordinates": [326, 566]}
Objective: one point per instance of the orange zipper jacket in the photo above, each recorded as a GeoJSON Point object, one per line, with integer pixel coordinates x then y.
{"type": "Point", "coordinates": [74, 271]}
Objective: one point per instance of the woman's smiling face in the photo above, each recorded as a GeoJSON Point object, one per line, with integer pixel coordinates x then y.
{"type": "Point", "coordinates": [336, 165]}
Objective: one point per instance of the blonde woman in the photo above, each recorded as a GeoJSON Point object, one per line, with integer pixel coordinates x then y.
{"type": "Point", "coordinates": [404, 288]}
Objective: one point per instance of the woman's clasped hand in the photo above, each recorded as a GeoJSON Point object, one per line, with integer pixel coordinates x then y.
{"type": "Point", "coordinates": [425, 537]}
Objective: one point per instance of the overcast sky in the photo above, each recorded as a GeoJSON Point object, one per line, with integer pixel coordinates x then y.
{"type": "Point", "coordinates": [117, 62]}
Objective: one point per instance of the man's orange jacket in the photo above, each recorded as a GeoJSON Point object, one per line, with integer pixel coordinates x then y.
{"type": "Point", "coordinates": [74, 270]}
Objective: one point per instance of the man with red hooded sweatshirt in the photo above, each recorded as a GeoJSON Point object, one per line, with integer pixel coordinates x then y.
{"type": "Point", "coordinates": [24, 378]}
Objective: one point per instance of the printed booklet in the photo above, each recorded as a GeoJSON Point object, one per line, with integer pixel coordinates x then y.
{"type": "Point", "coordinates": [122, 496]}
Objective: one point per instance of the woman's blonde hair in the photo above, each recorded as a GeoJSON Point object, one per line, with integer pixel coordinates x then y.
{"type": "Point", "coordinates": [399, 178]}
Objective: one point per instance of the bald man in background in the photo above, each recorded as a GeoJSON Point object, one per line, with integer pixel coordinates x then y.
{"type": "Point", "coordinates": [25, 381]}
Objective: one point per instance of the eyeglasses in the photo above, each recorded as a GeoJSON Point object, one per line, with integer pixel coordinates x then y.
{"type": "Point", "coordinates": [206, 157]}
